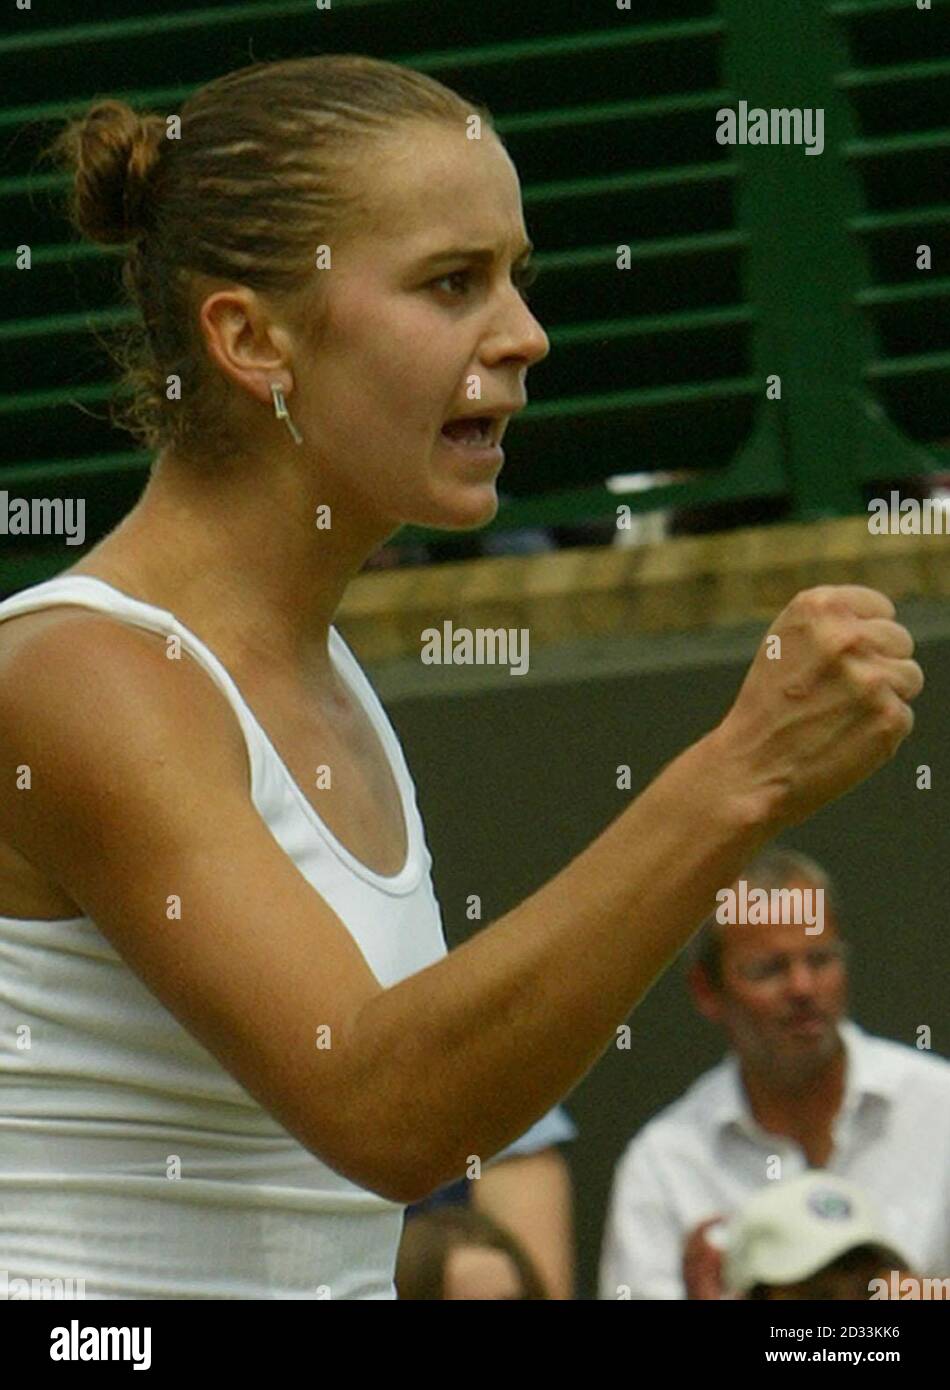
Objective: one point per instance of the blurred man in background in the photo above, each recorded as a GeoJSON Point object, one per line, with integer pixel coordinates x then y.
{"type": "Point", "coordinates": [802, 1088]}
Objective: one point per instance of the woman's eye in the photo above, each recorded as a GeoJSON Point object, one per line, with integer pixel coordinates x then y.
{"type": "Point", "coordinates": [452, 275]}
{"type": "Point", "coordinates": [522, 279]}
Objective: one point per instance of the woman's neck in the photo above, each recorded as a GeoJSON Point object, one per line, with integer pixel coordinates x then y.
{"type": "Point", "coordinates": [245, 567]}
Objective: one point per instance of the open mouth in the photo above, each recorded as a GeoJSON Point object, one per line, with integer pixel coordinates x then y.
{"type": "Point", "coordinates": [478, 432]}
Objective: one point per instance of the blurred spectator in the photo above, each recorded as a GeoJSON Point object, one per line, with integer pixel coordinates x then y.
{"type": "Point", "coordinates": [456, 1254]}
{"type": "Point", "coordinates": [814, 1237]}
{"type": "Point", "coordinates": [803, 1087]}
{"type": "Point", "coordinates": [526, 1190]}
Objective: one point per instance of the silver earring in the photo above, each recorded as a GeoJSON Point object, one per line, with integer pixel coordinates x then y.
{"type": "Point", "coordinates": [282, 413]}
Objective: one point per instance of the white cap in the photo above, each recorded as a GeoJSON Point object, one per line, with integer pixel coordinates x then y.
{"type": "Point", "coordinates": [791, 1229]}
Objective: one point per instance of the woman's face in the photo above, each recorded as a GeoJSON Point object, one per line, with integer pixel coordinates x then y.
{"type": "Point", "coordinates": [478, 1272]}
{"type": "Point", "coordinates": [410, 318]}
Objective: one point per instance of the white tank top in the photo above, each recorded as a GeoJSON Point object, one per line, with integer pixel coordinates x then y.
{"type": "Point", "coordinates": [105, 1097]}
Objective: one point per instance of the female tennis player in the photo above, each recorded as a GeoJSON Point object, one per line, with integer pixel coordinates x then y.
{"type": "Point", "coordinates": [234, 1045]}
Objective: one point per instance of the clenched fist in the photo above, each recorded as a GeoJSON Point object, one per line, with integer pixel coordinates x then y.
{"type": "Point", "coordinates": [825, 705]}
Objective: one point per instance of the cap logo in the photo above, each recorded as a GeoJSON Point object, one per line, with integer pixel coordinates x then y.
{"type": "Point", "coordinates": [830, 1206]}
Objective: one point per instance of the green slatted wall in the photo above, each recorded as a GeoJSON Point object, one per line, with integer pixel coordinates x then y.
{"type": "Point", "coordinates": [611, 118]}
{"type": "Point", "coordinates": [898, 84]}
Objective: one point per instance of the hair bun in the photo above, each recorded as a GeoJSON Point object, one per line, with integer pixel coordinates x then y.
{"type": "Point", "coordinates": [112, 152]}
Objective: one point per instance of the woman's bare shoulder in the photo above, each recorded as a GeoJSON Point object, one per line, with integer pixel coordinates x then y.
{"type": "Point", "coordinates": [78, 686]}
{"type": "Point", "coordinates": [24, 636]}
{"type": "Point", "coordinates": [46, 651]}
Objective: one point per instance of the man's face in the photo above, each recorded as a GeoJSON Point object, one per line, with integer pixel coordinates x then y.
{"type": "Point", "coordinates": [403, 333]}
{"type": "Point", "coordinates": [783, 992]}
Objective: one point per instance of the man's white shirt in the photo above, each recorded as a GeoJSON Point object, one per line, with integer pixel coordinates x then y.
{"type": "Point", "coordinates": [705, 1154]}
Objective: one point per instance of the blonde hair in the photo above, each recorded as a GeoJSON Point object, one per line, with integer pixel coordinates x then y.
{"type": "Point", "coordinates": [261, 175]}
